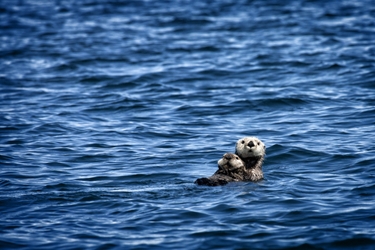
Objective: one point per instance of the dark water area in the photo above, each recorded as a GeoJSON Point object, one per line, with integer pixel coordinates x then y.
{"type": "Point", "coordinates": [110, 110]}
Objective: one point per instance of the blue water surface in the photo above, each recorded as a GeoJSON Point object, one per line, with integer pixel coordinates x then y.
{"type": "Point", "coordinates": [109, 110]}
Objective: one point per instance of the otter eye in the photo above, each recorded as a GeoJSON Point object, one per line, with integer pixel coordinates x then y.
{"type": "Point", "coordinates": [258, 143]}
{"type": "Point", "coordinates": [236, 158]}
{"type": "Point", "coordinates": [243, 142]}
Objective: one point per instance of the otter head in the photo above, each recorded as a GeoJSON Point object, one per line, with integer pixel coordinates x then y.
{"type": "Point", "coordinates": [230, 162]}
{"type": "Point", "coordinates": [248, 147]}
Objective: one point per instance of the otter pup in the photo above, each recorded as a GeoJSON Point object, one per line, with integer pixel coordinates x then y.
{"type": "Point", "coordinates": [252, 152]}
{"type": "Point", "coordinates": [231, 168]}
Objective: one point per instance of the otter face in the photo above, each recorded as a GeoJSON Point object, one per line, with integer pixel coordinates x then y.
{"type": "Point", "coordinates": [230, 161]}
{"type": "Point", "coordinates": [250, 147]}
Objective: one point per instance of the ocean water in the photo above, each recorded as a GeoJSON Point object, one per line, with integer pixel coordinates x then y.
{"type": "Point", "coordinates": [109, 111]}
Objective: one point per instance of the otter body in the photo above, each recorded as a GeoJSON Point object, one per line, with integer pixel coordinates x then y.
{"type": "Point", "coordinates": [215, 180]}
{"type": "Point", "coordinates": [244, 165]}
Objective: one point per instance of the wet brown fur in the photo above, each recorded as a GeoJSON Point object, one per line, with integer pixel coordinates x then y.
{"type": "Point", "coordinates": [250, 170]}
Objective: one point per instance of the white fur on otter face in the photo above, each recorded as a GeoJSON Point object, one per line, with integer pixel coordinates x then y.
{"type": "Point", "coordinates": [248, 147]}
{"type": "Point", "coordinates": [231, 162]}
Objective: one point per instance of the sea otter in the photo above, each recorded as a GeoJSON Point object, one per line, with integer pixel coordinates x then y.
{"type": "Point", "coordinates": [245, 165]}
{"type": "Point", "coordinates": [231, 168]}
{"type": "Point", "coordinates": [252, 151]}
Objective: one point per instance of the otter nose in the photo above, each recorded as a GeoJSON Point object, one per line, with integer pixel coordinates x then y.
{"type": "Point", "coordinates": [251, 144]}
{"type": "Point", "coordinates": [228, 156]}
